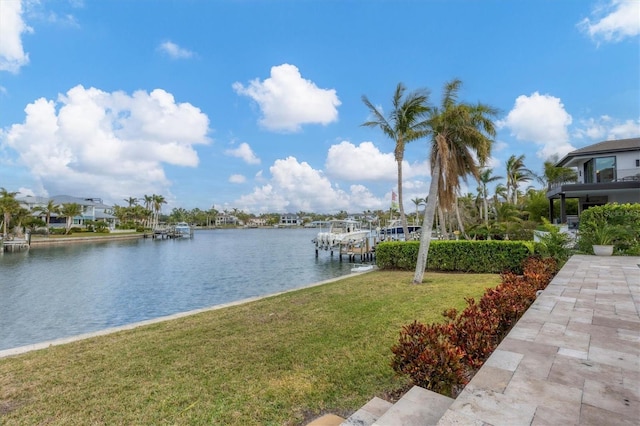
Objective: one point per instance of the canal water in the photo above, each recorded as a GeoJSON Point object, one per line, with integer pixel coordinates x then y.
{"type": "Point", "coordinates": [55, 292]}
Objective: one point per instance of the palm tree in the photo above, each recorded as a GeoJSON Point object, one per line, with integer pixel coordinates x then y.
{"type": "Point", "coordinates": [48, 210]}
{"type": "Point", "coordinates": [70, 210]}
{"type": "Point", "coordinates": [8, 206]}
{"type": "Point", "coordinates": [554, 174]}
{"type": "Point", "coordinates": [132, 201]}
{"type": "Point", "coordinates": [517, 173]}
{"type": "Point", "coordinates": [158, 201]}
{"type": "Point", "coordinates": [406, 122]}
{"type": "Point", "coordinates": [460, 134]}
{"type": "Point", "coordinates": [418, 201]}
{"type": "Point", "coordinates": [484, 179]}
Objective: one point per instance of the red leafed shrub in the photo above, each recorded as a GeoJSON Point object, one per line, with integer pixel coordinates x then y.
{"type": "Point", "coordinates": [442, 357]}
{"type": "Point", "coordinates": [426, 355]}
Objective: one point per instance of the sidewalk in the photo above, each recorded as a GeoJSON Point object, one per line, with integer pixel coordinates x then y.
{"type": "Point", "coordinates": [573, 358]}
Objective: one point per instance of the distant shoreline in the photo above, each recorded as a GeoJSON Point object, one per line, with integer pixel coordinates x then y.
{"type": "Point", "coordinates": [38, 241]}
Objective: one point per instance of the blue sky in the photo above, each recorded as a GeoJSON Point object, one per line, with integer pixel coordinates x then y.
{"type": "Point", "coordinates": [256, 105]}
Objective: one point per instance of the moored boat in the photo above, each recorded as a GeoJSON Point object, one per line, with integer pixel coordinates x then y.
{"type": "Point", "coordinates": [342, 233]}
{"type": "Point", "coordinates": [183, 230]}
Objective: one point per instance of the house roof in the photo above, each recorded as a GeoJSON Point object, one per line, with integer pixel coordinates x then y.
{"type": "Point", "coordinates": [620, 145]}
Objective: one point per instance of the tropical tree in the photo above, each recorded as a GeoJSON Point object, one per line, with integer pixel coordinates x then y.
{"type": "Point", "coordinates": [554, 174]}
{"type": "Point", "coordinates": [48, 210]}
{"type": "Point", "coordinates": [8, 206]}
{"type": "Point", "coordinates": [517, 173]}
{"type": "Point", "coordinates": [132, 201]}
{"type": "Point", "coordinates": [406, 122]}
{"type": "Point", "coordinates": [461, 139]}
{"type": "Point", "coordinates": [418, 202]}
{"type": "Point", "coordinates": [158, 201]}
{"type": "Point", "coordinates": [485, 178]}
{"type": "Point", "coordinates": [69, 211]}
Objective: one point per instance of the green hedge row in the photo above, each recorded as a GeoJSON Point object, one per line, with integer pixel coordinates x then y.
{"type": "Point", "coordinates": [624, 218]}
{"type": "Point", "coordinates": [458, 256]}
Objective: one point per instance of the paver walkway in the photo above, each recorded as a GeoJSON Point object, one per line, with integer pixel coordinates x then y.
{"type": "Point", "coordinates": [573, 358]}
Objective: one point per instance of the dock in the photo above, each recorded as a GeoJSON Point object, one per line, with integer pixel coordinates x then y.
{"type": "Point", "coordinates": [14, 245]}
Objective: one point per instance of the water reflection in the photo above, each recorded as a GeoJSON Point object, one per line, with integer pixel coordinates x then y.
{"type": "Point", "coordinates": [49, 293]}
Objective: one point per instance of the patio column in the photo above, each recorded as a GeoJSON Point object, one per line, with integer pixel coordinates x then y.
{"type": "Point", "coordinates": [563, 210]}
{"type": "Point", "coordinates": [551, 212]}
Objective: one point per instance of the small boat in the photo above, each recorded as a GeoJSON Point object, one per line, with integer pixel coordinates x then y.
{"type": "Point", "coordinates": [394, 231]}
{"type": "Point", "coordinates": [341, 233]}
{"type": "Point", "coordinates": [182, 230]}
{"type": "Point", "coordinates": [362, 268]}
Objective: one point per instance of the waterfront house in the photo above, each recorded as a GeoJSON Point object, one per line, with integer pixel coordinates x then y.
{"type": "Point", "coordinates": [93, 209]}
{"type": "Point", "coordinates": [608, 172]}
{"type": "Point", "coordinates": [290, 219]}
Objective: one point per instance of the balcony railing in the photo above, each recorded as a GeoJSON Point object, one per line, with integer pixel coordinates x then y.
{"type": "Point", "coordinates": [622, 175]}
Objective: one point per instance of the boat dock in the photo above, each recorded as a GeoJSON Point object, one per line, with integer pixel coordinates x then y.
{"type": "Point", "coordinates": [170, 232]}
{"type": "Point", "coordinates": [13, 245]}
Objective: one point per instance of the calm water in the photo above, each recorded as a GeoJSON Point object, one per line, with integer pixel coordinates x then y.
{"type": "Point", "coordinates": [49, 293]}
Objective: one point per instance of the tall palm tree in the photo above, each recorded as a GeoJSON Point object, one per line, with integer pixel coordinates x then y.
{"type": "Point", "coordinates": [418, 201]}
{"type": "Point", "coordinates": [485, 178]}
{"type": "Point", "coordinates": [8, 206]}
{"type": "Point", "coordinates": [70, 210]}
{"type": "Point", "coordinates": [406, 122]}
{"type": "Point", "coordinates": [132, 201]}
{"type": "Point", "coordinates": [158, 201]}
{"type": "Point", "coordinates": [517, 173]}
{"type": "Point", "coordinates": [48, 210]}
{"type": "Point", "coordinates": [461, 137]}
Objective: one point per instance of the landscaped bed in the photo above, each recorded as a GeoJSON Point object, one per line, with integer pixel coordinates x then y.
{"type": "Point", "coordinates": [280, 360]}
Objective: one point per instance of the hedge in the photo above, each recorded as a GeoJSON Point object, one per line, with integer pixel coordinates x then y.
{"type": "Point", "coordinates": [459, 256]}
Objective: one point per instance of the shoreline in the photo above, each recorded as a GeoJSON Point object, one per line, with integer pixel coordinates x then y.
{"type": "Point", "coordinates": [47, 241]}
{"type": "Point", "coordinates": [19, 350]}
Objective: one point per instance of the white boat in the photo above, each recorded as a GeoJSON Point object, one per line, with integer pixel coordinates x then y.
{"type": "Point", "coordinates": [394, 231]}
{"type": "Point", "coordinates": [362, 268]}
{"type": "Point", "coordinates": [341, 233]}
{"type": "Point", "coordinates": [182, 229]}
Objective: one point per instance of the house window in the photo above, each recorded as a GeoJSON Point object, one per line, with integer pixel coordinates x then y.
{"type": "Point", "coordinates": [600, 170]}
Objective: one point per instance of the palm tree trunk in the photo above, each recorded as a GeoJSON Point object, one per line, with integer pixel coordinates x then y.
{"type": "Point", "coordinates": [403, 218]}
{"type": "Point", "coordinates": [443, 224]}
{"type": "Point", "coordinates": [486, 210]}
{"type": "Point", "coordinates": [427, 223]}
{"type": "Point", "coordinates": [460, 224]}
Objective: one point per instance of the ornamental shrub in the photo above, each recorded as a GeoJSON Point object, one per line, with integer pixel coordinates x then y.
{"type": "Point", "coordinates": [460, 256]}
{"type": "Point", "coordinates": [443, 357]}
{"type": "Point", "coordinates": [623, 218]}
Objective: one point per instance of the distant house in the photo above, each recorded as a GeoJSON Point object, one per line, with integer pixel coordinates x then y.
{"type": "Point", "coordinates": [608, 172]}
{"type": "Point", "coordinates": [224, 218]}
{"type": "Point", "coordinates": [92, 209]}
{"type": "Point", "coordinates": [257, 221]}
{"type": "Point", "coordinates": [290, 220]}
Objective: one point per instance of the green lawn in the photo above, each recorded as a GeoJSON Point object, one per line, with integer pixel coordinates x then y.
{"type": "Point", "coordinates": [278, 361]}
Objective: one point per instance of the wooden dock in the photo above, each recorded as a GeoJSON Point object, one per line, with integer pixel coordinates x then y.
{"type": "Point", "coordinates": [14, 245]}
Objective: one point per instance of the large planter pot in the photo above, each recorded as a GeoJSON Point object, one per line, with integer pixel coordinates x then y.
{"type": "Point", "coordinates": [602, 250]}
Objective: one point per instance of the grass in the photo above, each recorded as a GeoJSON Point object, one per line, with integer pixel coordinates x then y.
{"type": "Point", "coordinates": [282, 360]}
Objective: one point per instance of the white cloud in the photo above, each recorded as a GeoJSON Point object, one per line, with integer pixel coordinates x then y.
{"type": "Point", "coordinates": [12, 26]}
{"type": "Point", "coordinates": [607, 128]}
{"type": "Point", "coordinates": [294, 186]}
{"type": "Point", "coordinates": [237, 179]}
{"type": "Point", "coordinates": [174, 51]}
{"type": "Point", "coordinates": [365, 162]}
{"type": "Point", "coordinates": [543, 120]}
{"type": "Point", "coordinates": [114, 143]}
{"type": "Point", "coordinates": [287, 101]}
{"type": "Point", "coordinates": [244, 152]}
{"type": "Point", "coordinates": [613, 22]}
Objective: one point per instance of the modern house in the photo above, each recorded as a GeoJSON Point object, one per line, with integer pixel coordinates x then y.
{"type": "Point", "coordinates": [607, 171]}
{"type": "Point", "coordinates": [290, 219]}
{"type": "Point", "coordinates": [92, 209]}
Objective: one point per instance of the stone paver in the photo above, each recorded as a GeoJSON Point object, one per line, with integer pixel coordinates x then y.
{"type": "Point", "coordinates": [573, 358]}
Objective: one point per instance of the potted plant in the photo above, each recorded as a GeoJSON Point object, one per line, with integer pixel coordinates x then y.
{"type": "Point", "coordinates": [602, 238]}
